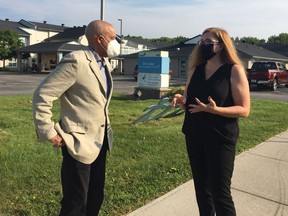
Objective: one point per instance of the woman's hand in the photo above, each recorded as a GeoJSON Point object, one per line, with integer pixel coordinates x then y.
{"type": "Point", "coordinates": [178, 99]}
{"type": "Point", "coordinates": [201, 107]}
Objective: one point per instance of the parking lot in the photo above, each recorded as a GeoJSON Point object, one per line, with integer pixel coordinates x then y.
{"type": "Point", "coordinates": [17, 84]}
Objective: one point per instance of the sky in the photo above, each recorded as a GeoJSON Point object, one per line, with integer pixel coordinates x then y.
{"type": "Point", "coordinates": [159, 18]}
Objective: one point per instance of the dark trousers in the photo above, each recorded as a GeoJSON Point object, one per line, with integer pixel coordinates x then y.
{"type": "Point", "coordinates": [212, 164]}
{"type": "Point", "coordinates": [82, 184]}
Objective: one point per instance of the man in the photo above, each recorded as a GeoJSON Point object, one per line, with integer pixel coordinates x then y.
{"type": "Point", "coordinates": [83, 83]}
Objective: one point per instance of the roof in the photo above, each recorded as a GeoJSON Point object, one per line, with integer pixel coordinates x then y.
{"type": "Point", "coordinates": [281, 49]}
{"type": "Point", "coordinates": [175, 50]}
{"type": "Point", "coordinates": [257, 51]}
{"type": "Point", "coordinates": [69, 34]}
{"type": "Point", "coordinates": [48, 47]}
{"type": "Point", "coordinates": [193, 40]}
{"type": "Point", "coordinates": [13, 26]}
{"type": "Point", "coordinates": [134, 41]}
{"type": "Point", "coordinates": [49, 27]}
{"type": "Point", "coordinates": [150, 45]}
{"type": "Point", "coordinates": [16, 27]}
{"type": "Point", "coordinates": [179, 50]}
{"type": "Point", "coordinates": [243, 49]}
{"type": "Point", "coordinates": [42, 26]}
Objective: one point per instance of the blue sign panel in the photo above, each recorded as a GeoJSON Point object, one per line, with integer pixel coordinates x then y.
{"type": "Point", "coordinates": [159, 65]}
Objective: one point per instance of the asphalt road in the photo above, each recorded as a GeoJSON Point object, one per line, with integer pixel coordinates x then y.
{"type": "Point", "coordinates": [23, 84]}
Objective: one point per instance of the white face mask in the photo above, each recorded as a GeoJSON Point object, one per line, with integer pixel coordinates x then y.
{"type": "Point", "coordinates": [113, 48]}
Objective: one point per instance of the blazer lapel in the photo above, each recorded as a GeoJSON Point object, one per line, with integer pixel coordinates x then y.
{"type": "Point", "coordinates": [95, 69]}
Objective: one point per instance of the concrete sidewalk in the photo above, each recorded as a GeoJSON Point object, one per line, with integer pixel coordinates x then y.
{"type": "Point", "coordinates": [259, 185]}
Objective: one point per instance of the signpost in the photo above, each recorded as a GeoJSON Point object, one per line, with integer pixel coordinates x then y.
{"type": "Point", "coordinates": [153, 74]}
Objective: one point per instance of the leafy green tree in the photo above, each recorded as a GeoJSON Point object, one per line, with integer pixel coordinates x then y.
{"type": "Point", "coordinates": [280, 39]}
{"type": "Point", "coordinates": [9, 42]}
{"type": "Point", "coordinates": [180, 39]}
{"type": "Point", "coordinates": [250, 40]}
{"type": "Point", "coordinates": [168, 40]}
{"type": "Point", "coordinates": [274, 39]}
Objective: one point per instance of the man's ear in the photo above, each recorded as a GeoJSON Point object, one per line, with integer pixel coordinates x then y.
{"type": "Point", "coordinates": [99, 38]}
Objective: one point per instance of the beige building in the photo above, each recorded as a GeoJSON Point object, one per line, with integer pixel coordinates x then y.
{"type": "Point", "coordinates": [48, 53]}
{"type": "Point", "coordinates": [29, 33]}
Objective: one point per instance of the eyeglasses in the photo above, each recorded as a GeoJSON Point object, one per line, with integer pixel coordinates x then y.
{"type": "Point", "coordinates": [208, 42]}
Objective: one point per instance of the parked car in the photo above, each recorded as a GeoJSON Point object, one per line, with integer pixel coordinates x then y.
{"type": "Point", "coordinates": [270, 74]}
{"type": "Point", "coordinates": [135, 73]}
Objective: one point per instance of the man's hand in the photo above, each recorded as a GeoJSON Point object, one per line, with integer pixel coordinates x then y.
{"type": "Point", "coordinates": [57, 141]}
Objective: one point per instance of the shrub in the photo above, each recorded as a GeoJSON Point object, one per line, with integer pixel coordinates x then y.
{"type": "Point", "coordinates": [175, 90]}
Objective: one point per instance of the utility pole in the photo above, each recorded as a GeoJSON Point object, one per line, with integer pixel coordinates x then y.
{"type": "Point", "coordinates": [102, 9]}
{"type": "Point", "coordinates": [121, 40]}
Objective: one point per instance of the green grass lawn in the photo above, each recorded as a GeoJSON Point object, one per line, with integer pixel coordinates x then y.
{"type": "Point", "coordinates": [148, 159]}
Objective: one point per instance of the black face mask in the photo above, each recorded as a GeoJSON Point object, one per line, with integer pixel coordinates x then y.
{"type": "Point", "coordinates": [207, 51]}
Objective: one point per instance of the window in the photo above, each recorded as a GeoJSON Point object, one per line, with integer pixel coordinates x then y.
{"type": "Point", "coordinates": [281, 66]}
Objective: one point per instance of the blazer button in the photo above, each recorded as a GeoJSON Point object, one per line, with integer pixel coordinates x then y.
{"type": "Point", "coordinates": [102, 125]}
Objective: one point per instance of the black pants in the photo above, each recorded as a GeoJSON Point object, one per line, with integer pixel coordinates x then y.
{"type": "Point", "coordinates": [212, 164]}
{"type": "Point", "coordinates": [83, 184]}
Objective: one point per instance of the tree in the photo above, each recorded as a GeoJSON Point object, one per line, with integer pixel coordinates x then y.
{"type": "Point", "coordinates": [250, 40]}
{"type": "Point", "coordinates": [168, 40]}
{"type": "Point", "coordinates": [9, 42]}
{"type": "Point", "coordinates": [280, 39]}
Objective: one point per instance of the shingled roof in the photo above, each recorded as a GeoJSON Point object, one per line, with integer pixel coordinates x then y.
{"type": "Point", "coordinates": [17, 27]}
{"type": "Point", "coordinates": [69, 34]}
{"type": "Point", "coordinates": [281, 49]}
{"type": "Point", "coordinates": [49, 47]}
{"type": "Point", "coordinates": [255, 51]}
{"type": "Point", "coordinates": [42, 26]}
{"type": "Point", "coordinates": [132, 40]}
{"type": "Point", "coordinates": [14, 27]}
{"type": "Point", "coordinates": [243, 49]}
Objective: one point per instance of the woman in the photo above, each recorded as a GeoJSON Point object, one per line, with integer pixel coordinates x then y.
{"type": "Point", "coordinates": [216, 95]}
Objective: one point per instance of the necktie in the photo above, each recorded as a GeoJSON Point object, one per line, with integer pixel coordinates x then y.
{"type": "Point", "coordinates": [106, 77]}
{"type": "Point", "coordinates": [104, 71]}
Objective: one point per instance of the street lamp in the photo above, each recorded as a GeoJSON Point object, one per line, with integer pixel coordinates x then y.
{"type": "Point", "coordinates": [121, 38]}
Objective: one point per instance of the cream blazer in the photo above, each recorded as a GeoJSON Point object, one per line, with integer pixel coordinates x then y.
{"type": "Point", "coordinates": [79, 85]}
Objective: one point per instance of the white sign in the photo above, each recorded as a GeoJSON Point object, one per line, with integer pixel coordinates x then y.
{"type": "Point", "coordinates": [151, 80]}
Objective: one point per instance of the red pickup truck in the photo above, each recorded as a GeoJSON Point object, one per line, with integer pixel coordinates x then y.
{"type": "Point", "coordinates": [268, 73]}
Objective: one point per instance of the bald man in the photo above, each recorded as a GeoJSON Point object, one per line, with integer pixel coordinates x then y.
{"type": "Point", "coordinates": [82, 82]}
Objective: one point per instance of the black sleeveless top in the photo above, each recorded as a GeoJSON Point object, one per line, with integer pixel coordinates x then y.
{"type": "Point", "coordinates": [203, 124]}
